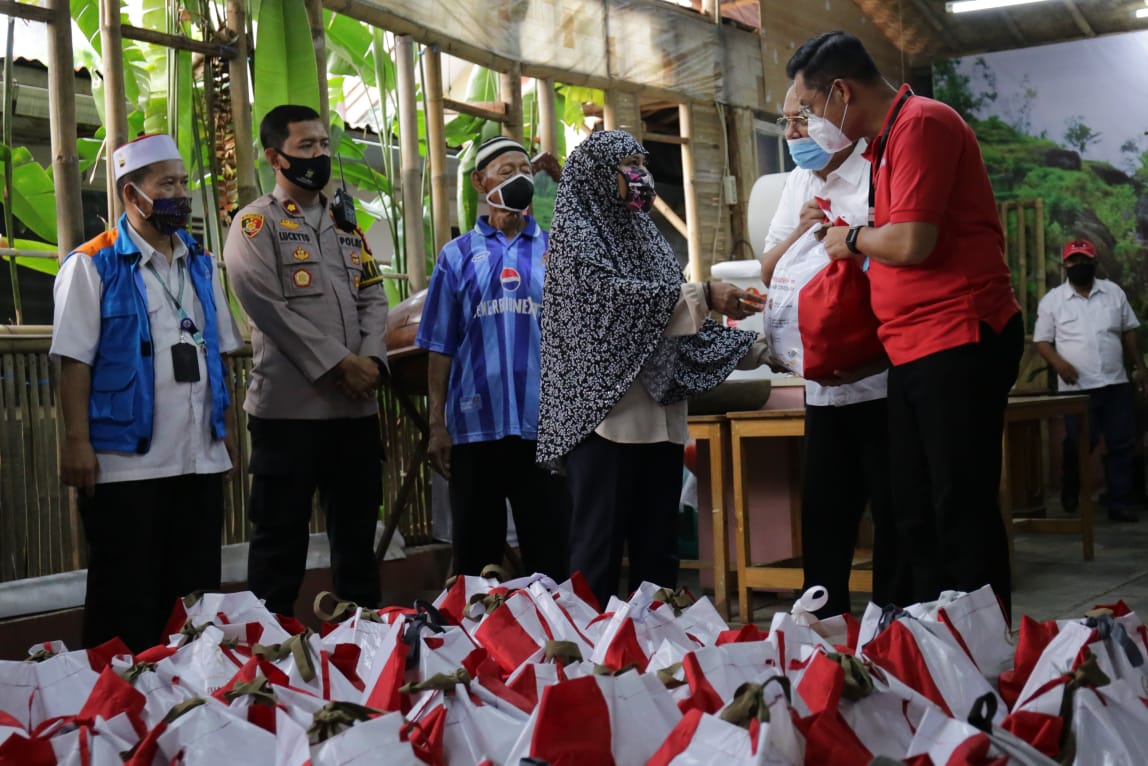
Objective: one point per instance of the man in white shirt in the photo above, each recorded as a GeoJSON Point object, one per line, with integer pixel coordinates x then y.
{"type": "Point", "coordinates": [846, 422]}
{"type": "Point", "coordinates": [1084, 328]}
{"type": "Point", "coordinates": [140, 325]}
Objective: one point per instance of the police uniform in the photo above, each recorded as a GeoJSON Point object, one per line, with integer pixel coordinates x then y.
{"type": "Point", "coordinates": [314, 295]}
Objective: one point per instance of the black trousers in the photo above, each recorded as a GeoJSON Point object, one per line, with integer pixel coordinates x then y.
{"type": "Point", "coordinates": [946, 416]}
{"type": "Point", "coordinates": [1111, 413]}
{"type": "Point", "coordinates": [149, 542]}
{"type": "Point", "coordinates": [483, 476]}
{"type": "Point", "coordinates": [624, 495]}
{"type": "Point", "coordinates": [846, 467]}
{"type": "Point", "coordinates": [290, 459]}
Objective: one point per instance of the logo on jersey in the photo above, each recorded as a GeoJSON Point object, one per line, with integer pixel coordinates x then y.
{"type": "Point", "coordinates": [510, 279]}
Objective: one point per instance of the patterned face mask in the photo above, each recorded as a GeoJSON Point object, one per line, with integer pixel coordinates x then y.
{"type": "Point", "coordinates": [640, 191]}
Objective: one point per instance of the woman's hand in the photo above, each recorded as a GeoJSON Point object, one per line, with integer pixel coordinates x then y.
{"type": "Point", "coordinates": [733, 302]}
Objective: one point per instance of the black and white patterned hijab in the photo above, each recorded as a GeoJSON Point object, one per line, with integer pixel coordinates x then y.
{"type": "Point", "coordinates": [611, 285]}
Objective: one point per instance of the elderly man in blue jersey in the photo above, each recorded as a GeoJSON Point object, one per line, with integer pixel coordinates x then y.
{"type": "Point", "coordinates": [481, 324]}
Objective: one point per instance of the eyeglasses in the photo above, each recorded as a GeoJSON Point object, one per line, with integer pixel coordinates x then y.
{"type": "Point", "coordinates": [800, 120]}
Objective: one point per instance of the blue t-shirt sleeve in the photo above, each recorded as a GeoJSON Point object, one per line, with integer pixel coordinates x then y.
{"type": "Point", "coordinates": [439, 329]}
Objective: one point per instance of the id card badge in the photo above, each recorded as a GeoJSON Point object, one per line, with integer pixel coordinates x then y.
{"type": "Point", "coordinates": [185, 363]}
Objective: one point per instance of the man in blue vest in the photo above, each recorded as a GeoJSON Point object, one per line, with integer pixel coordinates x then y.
{"type": "Point", "coordinates": [140, 325]}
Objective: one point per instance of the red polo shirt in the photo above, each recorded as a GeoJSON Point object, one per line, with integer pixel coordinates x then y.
{"type": "Point", "coordinates": [932, 172]}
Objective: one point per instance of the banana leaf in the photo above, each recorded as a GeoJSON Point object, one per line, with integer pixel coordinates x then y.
{"type": "Point", "coordinates": [285, 70]}
{"type": "Point", "coordinates": [43, 265]}
{"type": "Point", "coordinates": [33, 193]}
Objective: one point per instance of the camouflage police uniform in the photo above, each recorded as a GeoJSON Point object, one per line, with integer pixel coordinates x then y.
{"type": "Point", "coordinates": [313, 296]}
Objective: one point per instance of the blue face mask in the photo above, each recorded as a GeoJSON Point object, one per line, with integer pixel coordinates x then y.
{"type": "Point", "coordinates": [807, 154]}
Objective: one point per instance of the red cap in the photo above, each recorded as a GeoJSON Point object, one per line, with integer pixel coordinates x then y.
{"type": "Point", "coordinates": [1082, 246]}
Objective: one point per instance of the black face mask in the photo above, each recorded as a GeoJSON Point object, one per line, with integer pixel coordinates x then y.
{"type": "Point", "coordinates": [311, 173]}
{"type": "Point", "coordinates": [516, 192]}
{"type": "Point", "coordinates": [1081, 274]}
{"type": "Point", "coordinates": [168, 214]}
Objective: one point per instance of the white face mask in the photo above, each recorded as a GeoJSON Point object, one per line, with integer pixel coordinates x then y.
{"type": "Point", "coordinates": [827, 135]}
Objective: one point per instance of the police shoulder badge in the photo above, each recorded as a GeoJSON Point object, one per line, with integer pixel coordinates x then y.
{"type": "Point", "coordinates": [251, 224]}
{"type": "Point", "coordinates": [301, 278]}
{"type": "Point", "coordinates": [292, 207]}
{"type": "Point", "coordinates": [301, 254]}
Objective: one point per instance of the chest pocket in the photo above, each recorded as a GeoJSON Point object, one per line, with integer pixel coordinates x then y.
{"type": "Point", "coordinates": [300, 268]}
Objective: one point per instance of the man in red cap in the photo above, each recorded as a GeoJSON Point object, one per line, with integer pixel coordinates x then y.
{"type": "Point", "coordinates": [1084, 328]}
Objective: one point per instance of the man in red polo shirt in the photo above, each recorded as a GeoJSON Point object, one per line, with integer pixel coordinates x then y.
{"type": "Point", "coordinates": [949, 320]}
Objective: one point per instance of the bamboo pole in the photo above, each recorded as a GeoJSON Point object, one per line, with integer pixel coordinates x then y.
{"type": "Point", "coordinates": [496, 112]}
{"type": "Point", "coordinates": [115, 98]}
{"type": "Point", "coordinates": [548, 124]}
{"type": "Point", "coordinates": [9, 217]}
{"type": "Point", "coordinates": [1042, 256]}
{"type": "Point", "coordinates": [247, 187]}
{"type": "Point", "coordinates": [436, 147]}
{"type": "Point", "coordinates": [176, 42]}
{"type": "Point", "coordinates": [686, 120]}
{"type": "Point", "coordinates": [62, 129]}
{"type": "Point", "coordinates": [410, 162]}
{"type": "Point", "coordinates": [319, 41]}
{"type": "Point", "coordinates": [510, 86]}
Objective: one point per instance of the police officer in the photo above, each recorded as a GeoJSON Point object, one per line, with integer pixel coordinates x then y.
{"type": "Point", "coordinates": [318, 314]}
{"type": "Point", "coordinates": [140, 323]}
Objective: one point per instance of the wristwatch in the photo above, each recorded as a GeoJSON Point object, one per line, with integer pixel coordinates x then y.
{"type": "Point", "coordinates": [851, 239]}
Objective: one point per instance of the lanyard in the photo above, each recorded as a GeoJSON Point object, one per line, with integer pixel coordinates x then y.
{"type": "Point", "coordinates": [880, 153]}
{"type": "Point", "coordinates": [186, 324]}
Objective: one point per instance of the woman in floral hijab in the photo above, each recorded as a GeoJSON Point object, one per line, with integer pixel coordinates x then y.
{"type": "Point", "coordinates": [625, 341]}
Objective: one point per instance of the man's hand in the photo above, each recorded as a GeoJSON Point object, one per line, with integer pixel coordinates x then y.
{"type": "Point", "coordinates": [733, 302]}
{"type": "Point", "coordinates": [1066, 371]}
{"type": "Point", "coordinates": [1140, 378]}
{"type": "Point", "coordinates": [78, 466]}
{"type": "Point", "coordinates": [357, 376]}
{"type": "Point", "coordinates": [845, 377]}
{"type": "Point", "coordinates": [833, 238]}
{"type": "Point", "coordinates": [438, 449]}
{"type": "Point", "coordinates": [809, 215]}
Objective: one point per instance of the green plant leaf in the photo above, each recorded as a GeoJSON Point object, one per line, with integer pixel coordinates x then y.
{"type": "Point", "coordinates": [285, 70]}
{"type": "Point", "coordinates": [33, 195]}
{"type": "Point", "coordinates": [43, 265]}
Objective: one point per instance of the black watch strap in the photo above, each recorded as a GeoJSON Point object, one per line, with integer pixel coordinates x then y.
{"type": "Point", "coordinates": [851, 239]}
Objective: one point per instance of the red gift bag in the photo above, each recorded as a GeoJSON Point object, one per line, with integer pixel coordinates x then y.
{"type": "Point", "coordinates": [838, 328]}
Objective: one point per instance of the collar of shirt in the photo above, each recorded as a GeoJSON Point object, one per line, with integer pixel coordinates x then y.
{"type": "Point", "coordinates": [1097, 289]}
{"type": "Point", "coordinates": [531, 229]}
{"type": "Point", "coordinates": [147, 252]}
{"type": "Point", "coordinates": [854, 171]}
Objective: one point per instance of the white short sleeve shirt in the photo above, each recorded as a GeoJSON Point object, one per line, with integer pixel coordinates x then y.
{"type": "Point", "coordinates": [847, 189]}
{"type": "Point", "coordinates": [181, 441]}
{"type": "Point", "coordinates": [1087, 332]}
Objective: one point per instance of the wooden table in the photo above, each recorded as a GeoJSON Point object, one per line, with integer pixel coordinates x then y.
{"type": "Point", "coordinates": [780, 575]}
{"type": "Point", "coordinates": [714, 430]}
{"type": "Point", "coordinates": [1028, 408]}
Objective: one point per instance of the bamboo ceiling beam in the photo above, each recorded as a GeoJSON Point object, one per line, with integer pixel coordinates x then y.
{"type": "Point", "coordinates": [179, 42]}
{"type": "Point", "coordinates": [664, 138]}
{"type": "Point", "coordinates": [486, 110]}
{"type": "Point", "coordinates": [1078, 17]}
{"type": "Point", "coordinates": [28, 12]}
{"type": "Point", "coordinates": [931, 16]}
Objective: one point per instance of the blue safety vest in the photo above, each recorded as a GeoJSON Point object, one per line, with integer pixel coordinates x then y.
{"type": "Point", "coordinates": [121, 409]}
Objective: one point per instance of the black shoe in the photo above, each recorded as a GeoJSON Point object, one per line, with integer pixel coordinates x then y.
{"type": "Point", "coordinates": [1122, 515]}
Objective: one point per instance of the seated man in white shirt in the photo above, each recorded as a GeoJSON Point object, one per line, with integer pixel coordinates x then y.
{"type": "Point", "coordinates": [1084, 328]}
{"type": "Point", "coordinates": [846, 424]}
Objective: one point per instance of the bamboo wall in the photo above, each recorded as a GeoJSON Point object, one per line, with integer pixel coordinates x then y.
{"type": "Point", "coordinates": [40, 531]}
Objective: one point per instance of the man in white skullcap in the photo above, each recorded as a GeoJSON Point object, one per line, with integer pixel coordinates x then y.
{"type": "Point", "coordinates": [140, 327]}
